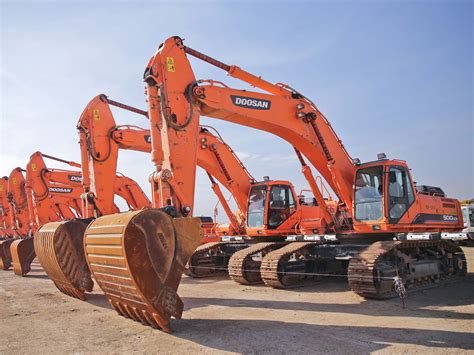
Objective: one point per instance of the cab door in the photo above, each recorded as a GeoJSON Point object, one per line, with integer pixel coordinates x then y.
{"type": "Point", "coordinates": [400, 193]}
{"type": "Point", "coordinates": [281, 205]}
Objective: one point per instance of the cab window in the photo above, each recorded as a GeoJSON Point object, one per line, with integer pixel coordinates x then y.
{"type": "Point", "coordinates": [256, 208]}
{"type": "Point", "coordinates": [465, 217]}
{"type": "Point", "coordinates": [368, 199]}
{"type": "Point", "coordinates": [468, 216]}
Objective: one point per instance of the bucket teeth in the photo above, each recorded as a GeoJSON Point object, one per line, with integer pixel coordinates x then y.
{"type": "Point", "coordinates": [138, 258]}
{"type": "Point", "coordinates": [60, 250]}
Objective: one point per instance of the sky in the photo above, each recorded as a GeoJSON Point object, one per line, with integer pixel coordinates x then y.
{"type": "Point", "coordinates": [391, 76]}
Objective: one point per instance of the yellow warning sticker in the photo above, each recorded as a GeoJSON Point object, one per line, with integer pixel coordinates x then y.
{"type": "Point", "coordinates": [96, 115]}
{"type": "Point", "coordinates": [1, 187]}
{"type": "Point", "coordinates": [170, 64]}
{"type": "Point", "coordinates": [14, 181]}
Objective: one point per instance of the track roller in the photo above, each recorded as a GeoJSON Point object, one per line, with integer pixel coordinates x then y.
{"type": "Point", "coordinates": [23, 254]}
{"type": "Point", "coordinates": [60, 250]}
{"type": "Point", "coordinates": [138, 258]}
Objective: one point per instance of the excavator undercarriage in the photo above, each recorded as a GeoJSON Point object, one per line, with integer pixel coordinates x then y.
{"type": "Point", "coordinates": [420, 264]}
{"type": "Point", "coordinates": [369, 268]}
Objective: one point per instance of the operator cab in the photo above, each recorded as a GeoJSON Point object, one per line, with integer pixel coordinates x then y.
{"type": "Point", "coordinates": [383, 191]}
{"type": "Point", "coordinates": [270, 204]}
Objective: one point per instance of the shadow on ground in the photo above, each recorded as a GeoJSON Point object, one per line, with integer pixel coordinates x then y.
{"type": "Point", "coordinates": [416, 305]}
{"type": "Point", "coordinates": [245, 336]}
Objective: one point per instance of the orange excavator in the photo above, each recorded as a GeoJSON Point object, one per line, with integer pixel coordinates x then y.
{"type": "Point", "coordinates": [19, 217]}
{"type": "Point", "coordinates": [290, 215]}
{"type": "Point", "coordinates": [8, 233]}
{"type": "Point", "coordinates": [145, 252]}
{"type": "Point", "coordinates": [100, 141]}
{"type": "Point", "coordinates": [51, 195]}
{"type": "Point", "coordinates": [59, 245]}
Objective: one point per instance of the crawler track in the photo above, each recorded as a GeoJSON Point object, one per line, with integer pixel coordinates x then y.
{"type": "Point", "coordinates": [371, 272]}
{"type": "Point", "coordinates": [275, 264]}
{"type": "Point", "coordinates": [244, 269]}
{"type": "Point", "coordinates": [211, 259]}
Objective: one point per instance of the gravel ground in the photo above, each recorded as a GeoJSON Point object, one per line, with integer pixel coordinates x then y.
{"type": "Point", "coordinates": [221, 316]}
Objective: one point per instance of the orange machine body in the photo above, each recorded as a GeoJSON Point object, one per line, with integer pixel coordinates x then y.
{"type": "Point", "coordinates": [397, 206]}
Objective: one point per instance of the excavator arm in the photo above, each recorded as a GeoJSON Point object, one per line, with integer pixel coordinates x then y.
{"type": "Point", "coordinates": [5, 208]}
{"type": "Point", "coordinates": [9, 231]}
{"type": "Point", "coordinates": [281, 111]}
{"type": "Point", "coordinates": [18, 201]}
{"type": "Point", "coordinates": [131, 192]}
{"type": "Point", "coordinates": [101, 139]}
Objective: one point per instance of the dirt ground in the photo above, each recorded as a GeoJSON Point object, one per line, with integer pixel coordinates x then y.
{"type": "Point", "coordinates": [221, 316]}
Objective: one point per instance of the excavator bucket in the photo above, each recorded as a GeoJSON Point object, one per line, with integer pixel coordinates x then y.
{"type": "Point", "coordinates": [138, 258]}
{"type": "Point", "coordinates": [23, 254]}
{"type": "Point", "coordinates": [5, 254]}
{"type": "Point", "coordinates": [60, 250]}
